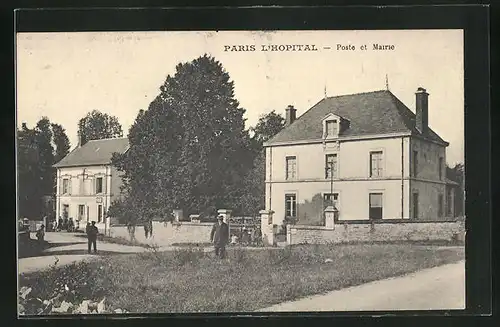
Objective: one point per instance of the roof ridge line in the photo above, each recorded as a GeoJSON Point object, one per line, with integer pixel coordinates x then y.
{"type": "Point", "coordinates": [359, 93]}
{"type": "Point", "coordinates": [108, 138]}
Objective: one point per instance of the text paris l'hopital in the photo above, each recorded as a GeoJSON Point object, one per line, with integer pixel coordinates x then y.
{"type": "Point", "coordinates": [304, 47]}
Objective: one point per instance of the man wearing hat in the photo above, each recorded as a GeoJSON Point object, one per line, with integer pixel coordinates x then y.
{"type": "Point", "coordinates": [92, 232]}
{"type": "Point", "coordinates": [220, 237]}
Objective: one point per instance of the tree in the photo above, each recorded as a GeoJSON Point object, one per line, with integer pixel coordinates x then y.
{"type": "Point", "coordinates": [190, 149]}
{"type": "Point", "coordinates": [97, 125]}
{"type": "Point", "coordinates": [61, 142]}
{"type": "Point", "coordinates": [268, 125]}
{"type": "Point", "coordinates": [28, 174]}
{"type": "Point", "coordinates": [36, 155]}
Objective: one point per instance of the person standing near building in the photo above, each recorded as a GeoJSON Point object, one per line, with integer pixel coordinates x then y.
{"type": "Point", "coordinates": [220, 237]}
{"type": "Point", "coordinates": [40, 234]}
{"type": "Point", "coordinates": [92, 232]}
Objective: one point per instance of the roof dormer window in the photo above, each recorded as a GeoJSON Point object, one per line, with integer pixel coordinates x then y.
{"type": "Point", "coordinates": [331, 128]}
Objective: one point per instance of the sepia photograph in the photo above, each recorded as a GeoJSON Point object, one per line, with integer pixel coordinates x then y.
{"type": "Point", "coordinates": [240, 171]}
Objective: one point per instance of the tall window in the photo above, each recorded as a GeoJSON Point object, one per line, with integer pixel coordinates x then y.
{"type": "Point", "coordinates": [415, 163]}
{"type": "Point", "coordinates": [330, 199]}
{"type": "Point", "coordinates": [65, 210]}
{"type": "Point", "coordinates": [65, 186]}
{"type": "Point", "coordinates": [81, 211]}
{"type": "Point", "coordinates": [291, 167]}
{"type": "Point", "coordinates": [98, 185]}
{"type": "Point", "coordinates": [440, 169]}
{"type": "Point", "coordinates": [375, 163]}
{"type": "Point", "coordinates": [330, 165]}
{"type": "Point", "coordinates": [375, 206]}
{"type": "Point", "coordinates": [290, 205]}
{"type": "Point", "coordinates": [331, 129]}
{"type": "Point", "coordinates": [440, 205]}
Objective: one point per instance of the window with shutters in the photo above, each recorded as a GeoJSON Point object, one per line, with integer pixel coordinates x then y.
{"type": "Point", "coordinates": [290, 205]}
{"type": "Point", "coordinates": [291, 167]}
{"type": "Point", "coordinates": [376, 164]}
{"type": "Point", "coordinates": [65, 186]}
{"type": "Point", "coordinates": [330, 165]}
{"type": "Point", "coordinates": [98, 185]}
{"type": "Point", "coordinates": [376, 206]}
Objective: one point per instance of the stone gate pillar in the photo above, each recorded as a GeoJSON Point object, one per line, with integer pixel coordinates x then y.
{"type": "Point", "coordinates": [331, 214]}
{"type": "Point", "coordinates": [178, 214]}
{"type": "Point", "coordinates": [266, 227]}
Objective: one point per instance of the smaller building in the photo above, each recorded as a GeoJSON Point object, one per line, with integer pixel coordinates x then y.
{"type": "Point", "coordinates": [87, 183]}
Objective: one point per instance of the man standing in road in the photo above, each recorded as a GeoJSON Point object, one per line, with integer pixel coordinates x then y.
{"type": "Point", "coordinates": [92, 232]}
{"type": "Point", "coordinates": [220, 237]}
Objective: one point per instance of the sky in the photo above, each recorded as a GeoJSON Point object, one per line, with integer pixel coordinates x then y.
{"type": "Point", "coordinates": [66, 75]}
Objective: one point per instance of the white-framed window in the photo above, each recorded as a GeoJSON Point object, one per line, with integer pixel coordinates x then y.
{"type": "Point", "coordinates": [331, 164]}
{"type": "Point", "coordinates": [99, 185]}
{"type": "Point", "coordinates": [331, 128]}
{"type": "Point", "coordinates": [81, 212]}
{"type": "Point", "coordinates": [375, 205]}
{"type": "Point", "coordinates": [65, 186]}
{"type": "Point", "coordinates": [65, 213]}
{"type": "Point", "coordinates": [330, 199]}
{"type": "Point", "coordinates": [291, 167]}
{"type": "Point", "coordinates": [290, 205]}
{"type": "Point", "coordinates": [376, 163]}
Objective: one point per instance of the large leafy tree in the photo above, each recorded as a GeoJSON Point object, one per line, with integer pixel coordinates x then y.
{"type": "Point", "coordinates": [97, 125]}
{"type": "Point", "coordinates": [190, 149]}
{"type": "Point", "coordinates": [38, 149]}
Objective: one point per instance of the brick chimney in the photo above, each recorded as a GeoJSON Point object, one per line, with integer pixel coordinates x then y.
{"type": "Point", "coordinates": [81, 139]}
{"type": "Point", "coordinates": [291, 115]}
{"type": "Point", "coordinates": [422, 110]}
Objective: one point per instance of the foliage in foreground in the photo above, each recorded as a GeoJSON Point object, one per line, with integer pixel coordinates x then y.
{"type": "Point", "coordinates": [190, 280]}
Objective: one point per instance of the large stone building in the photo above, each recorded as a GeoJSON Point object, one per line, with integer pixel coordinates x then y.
{"type": "Point", "coordinates": [87, 183]}
{"type": "Point", "coordinates": [367, 153]}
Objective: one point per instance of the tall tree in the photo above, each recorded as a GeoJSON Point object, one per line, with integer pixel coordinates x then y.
{"type": "Point", "coordinates": [190, 149]}
{"type": "Point", "coordinates": [29, 195]}
{"type": "Point", "coordinates": [43, 139]}
{"type": "Point", "coordinates": [268, 125]}
{"type": "Point", "coordinates": [97, 125]}
{"type": "Point", "coordinates": [61, 142]}
{"type": "Point", "coordinates": [36, 155]}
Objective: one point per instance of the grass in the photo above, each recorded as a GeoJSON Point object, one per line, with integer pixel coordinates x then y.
{"type": "Point", "coordinates": [115, 240]}
{"type": "Point", "coordinates": [189, 280]}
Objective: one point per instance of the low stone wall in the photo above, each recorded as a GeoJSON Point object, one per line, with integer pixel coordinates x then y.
{"type": "Point", "coordinates": [167, 234]}
{"type": "Point", "coordinates": [377, 232]}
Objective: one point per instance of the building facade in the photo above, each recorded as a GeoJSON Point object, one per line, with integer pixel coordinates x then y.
{"type": "Point", "coordinates": [87, 183]}
{"type": "Point", "coordinates": [367, 154]}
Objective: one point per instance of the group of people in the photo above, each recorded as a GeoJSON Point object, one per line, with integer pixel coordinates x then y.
{"type": "Point", "coordinates": [65, 224]}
